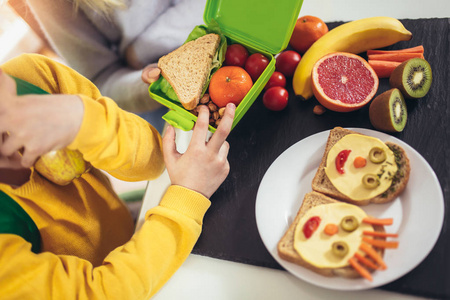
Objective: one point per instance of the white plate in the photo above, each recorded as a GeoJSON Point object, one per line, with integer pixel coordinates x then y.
{"type": "Point", "coordinates": [418, 213]}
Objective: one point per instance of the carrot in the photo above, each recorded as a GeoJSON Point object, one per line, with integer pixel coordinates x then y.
{"type": "Point", "coordinates": [331, 229]}
{"type": "Point", "coordinates": [383, 69]}
{"type": "Point", "coordinates": [373, 254]}
{"type": "Point", "coordinates": [380, 234]}
{"type": "Point", "coordinates": [396, 56]}
{"type": "Point", "coordinates": [360, 269]}
{"type": "Point", "coordinates": [380, 243]}
{"type": "Point", "coordinates": [359, 162]}
{"type": "Point", "coordinates": [375, 221]}
{"type": "Point", "coordinates": [416, 49]}
{"type": "Point", "coordinates": [366, 261]}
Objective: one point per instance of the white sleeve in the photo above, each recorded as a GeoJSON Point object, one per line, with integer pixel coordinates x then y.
{"type": "Point", "coordinates": [169, 31]}
{"type": "Point", "coordinates": [84, 48]}
{"type": "Point", "coordinates": [74, 37]}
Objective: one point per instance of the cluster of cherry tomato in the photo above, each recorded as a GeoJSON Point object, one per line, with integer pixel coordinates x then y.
{"type": "Point", "coordinates": [275, 96]}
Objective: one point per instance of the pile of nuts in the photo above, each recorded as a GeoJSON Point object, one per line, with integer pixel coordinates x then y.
{"type": "Point", "coordinates": [215, 112]}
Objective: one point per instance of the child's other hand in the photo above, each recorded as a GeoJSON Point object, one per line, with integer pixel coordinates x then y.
{"type": "Point", "coordinates": [36, 124]}
{"type": "Point", "coordinates": [204, 165]}
{"type": "Point", "coordinates": [11, 162]}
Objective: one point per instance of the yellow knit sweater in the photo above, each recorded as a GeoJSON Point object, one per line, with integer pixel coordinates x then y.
{"type": "Point", "coordinates": [88, 247]}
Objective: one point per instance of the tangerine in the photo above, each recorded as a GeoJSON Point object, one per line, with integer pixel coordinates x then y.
{"type": "Point", "coordinates": [307, 30]}
{"type": "Point", "coordinates": [343, 81]}
{"type": "Point", "coordinates": [229, 84]}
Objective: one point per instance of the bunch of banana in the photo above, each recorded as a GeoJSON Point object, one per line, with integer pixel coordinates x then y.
{"type": "Point", "coordinates": [354, 37]}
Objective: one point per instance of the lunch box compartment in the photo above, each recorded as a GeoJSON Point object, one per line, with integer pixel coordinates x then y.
{"type": "Point", "coordinates": [263, 26]}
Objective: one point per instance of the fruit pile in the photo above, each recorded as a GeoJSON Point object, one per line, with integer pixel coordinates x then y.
{"type": "Point", "coordinates": [342, 81]}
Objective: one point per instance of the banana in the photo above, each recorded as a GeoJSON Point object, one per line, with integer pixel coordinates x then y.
{"type": "Point", "coordinates": [354, 37]}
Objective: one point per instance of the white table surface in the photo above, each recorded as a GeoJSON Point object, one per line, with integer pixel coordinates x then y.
{"type": "Point", "coordinates": [203, 277]}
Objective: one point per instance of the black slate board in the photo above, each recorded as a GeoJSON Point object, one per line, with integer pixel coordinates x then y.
{"type": "Point", "coordinates": [230, 230]}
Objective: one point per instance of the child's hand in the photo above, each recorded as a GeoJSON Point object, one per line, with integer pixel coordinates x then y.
{"type": "Point", "coordinates": [204, 165]}
{"type": "Point", "coordinates": [11, 162]}
{"type": "Point", "coordinates": [36, 124]}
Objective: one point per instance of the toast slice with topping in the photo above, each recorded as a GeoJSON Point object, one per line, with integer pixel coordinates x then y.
{"type": "Point", "coordinates": [322, 184]}
{"type": "Point", "coordinates": [286, 248]}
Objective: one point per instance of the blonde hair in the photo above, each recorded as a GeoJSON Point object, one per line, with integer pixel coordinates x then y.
{"type": "Point", "coordinates": [101, 6]}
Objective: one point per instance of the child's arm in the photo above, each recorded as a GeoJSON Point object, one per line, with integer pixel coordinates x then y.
{"type": "Point", "coordinates": [111, 139]}
{"type": "Point", "coordinates": [136, 270]}
{"type": "Point", "coordinates": [33, 124]}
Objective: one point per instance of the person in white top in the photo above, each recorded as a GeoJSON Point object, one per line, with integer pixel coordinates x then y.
{"type": "Point", "coordinates": [112, 41]}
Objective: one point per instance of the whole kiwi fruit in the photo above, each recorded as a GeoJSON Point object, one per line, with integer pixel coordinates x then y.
{"type": "Point", "coordinates": [412, 77]}
{"type": "Point", "coordinates": [387, 112]}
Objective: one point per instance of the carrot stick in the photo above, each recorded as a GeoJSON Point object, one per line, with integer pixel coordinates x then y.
{"type": "Point", "coordinates": [396, 56]}
{"type": "Point", "coordinates": [383, 69]}
{"type": "Point", "coordinates": [416, 49]}
{"type": "Point", "coordinates": [374, 255]}
{"type": "Point", "coordinates": [375, 221]}
{"type": "Point", "coordinates": [380, 234]}
{"type": "Point", "coordinates": [366, 261]}
{"type": "Point", "coordinates": [360, 269]}
{"type": "Point", "coordinates": [380, 243]}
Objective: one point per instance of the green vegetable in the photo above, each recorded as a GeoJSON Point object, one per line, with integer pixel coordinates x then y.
{"type": "Point", "coordinates": [199, 31]}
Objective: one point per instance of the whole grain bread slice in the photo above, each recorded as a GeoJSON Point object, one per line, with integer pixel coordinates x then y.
{"type": "Point", "coordinates": [188, 67]}
{"type": "Point", "coordinates": [322, 184]}
{"type": "Point", "coordinates": [286, 248]}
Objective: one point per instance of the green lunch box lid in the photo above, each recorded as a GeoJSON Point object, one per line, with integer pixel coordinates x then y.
{"type": "Point", "coordinates": [263, 24]}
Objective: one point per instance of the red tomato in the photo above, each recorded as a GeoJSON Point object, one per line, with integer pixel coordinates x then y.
{"type": "Point", "coordinates": [255, 65]}
{"type": "Point", "coordinates": [341, 159]}
{"type": "Point", "coordinates": [276, 98]}
{"type": "Point", "coordinates": [311, 226]}
{"type": "Point", "coordinates": [277, 79]}
{"type": "Point", "coordinates": [236, 55]}
{"type": "Point", "coordinates": [286, 62]}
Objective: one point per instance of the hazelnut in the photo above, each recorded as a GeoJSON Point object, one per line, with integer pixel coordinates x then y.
{"type": "Point", "coordinates": [212, 107]}
{"type": "Point", "coordinates": [319, 110]}
{"type": "Point", "coordinates": [204, 99]}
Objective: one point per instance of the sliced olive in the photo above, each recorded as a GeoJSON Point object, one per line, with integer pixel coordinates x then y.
{"type": "Point", "coordinates": [339, 248]}
{"type": "Point", "coordinates": [377, 155]}
{"type": "Point", "coordinates": [370, 181]}
{"type": "Point", "coordinates": [349, 223]}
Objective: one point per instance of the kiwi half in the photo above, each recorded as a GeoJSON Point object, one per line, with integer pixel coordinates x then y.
{"type": "Point", "coordinates": [387, 112]}
{"type": "Point", "coordinates": [412, 77]}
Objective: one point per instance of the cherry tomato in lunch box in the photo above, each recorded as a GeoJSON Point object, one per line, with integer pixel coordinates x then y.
{"type": "Point", "coordinates": [255, 65]}
{"type": "Point", "coordinates": [276, 98]}
{"type": "Point", "coordinates": [277, 79]}
{"type": "Point", "coordinates": [236, 55]}
{"type": "Point", "coordinates": [286, 62]}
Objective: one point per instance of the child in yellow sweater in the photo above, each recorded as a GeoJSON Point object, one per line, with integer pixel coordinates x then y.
{"type": "Point", "coordinates": [87, 246]}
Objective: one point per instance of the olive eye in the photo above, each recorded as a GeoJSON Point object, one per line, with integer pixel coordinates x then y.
{"type": "Point", "coordinates": [349, 223]}
{"type": "Point", "coordinates": [377, 155]}
{"type": "Point", "coordinates": [339, 248]}
{"type": "Point", "coordinates": [370, 181]}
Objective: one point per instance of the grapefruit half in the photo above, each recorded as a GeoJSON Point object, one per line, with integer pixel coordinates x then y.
{"type": "Point", "coordinates": [343, 81]}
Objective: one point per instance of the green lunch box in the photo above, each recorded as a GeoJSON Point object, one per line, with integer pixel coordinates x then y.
{"type": "Point", "coordinates": [263, 26]}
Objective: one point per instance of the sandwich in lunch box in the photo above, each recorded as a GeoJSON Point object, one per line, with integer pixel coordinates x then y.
{"type": "Point", "coordinates": [188, 68]}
